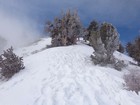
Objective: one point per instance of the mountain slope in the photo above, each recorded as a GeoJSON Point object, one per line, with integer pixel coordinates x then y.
{"type": "Point", "coordinates": [65, 76]}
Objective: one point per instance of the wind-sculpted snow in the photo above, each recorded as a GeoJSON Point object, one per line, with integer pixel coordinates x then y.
{"type": "Point", "coordinates": [65, 76]}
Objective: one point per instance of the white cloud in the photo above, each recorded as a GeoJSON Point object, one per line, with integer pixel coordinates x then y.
{"type": "Point", "coordinates": [17, 29]}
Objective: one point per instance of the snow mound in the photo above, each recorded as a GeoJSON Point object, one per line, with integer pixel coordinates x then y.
{"type": "Point", "coordinates": [65, 76]}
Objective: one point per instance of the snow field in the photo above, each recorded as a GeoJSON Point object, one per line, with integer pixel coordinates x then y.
{"type": "Point", "coordinates": [65, 76]}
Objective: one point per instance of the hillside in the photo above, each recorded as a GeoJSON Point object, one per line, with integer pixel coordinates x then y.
{"type": "Point", "coordinates": [65, 76]}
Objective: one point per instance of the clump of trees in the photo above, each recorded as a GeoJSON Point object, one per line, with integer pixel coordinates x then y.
{"type": "Point", "coordinates": [10, 63]}
{"type": "Point", "coordinates": [133, 49]}
{"type": "Point", "coordinates": [132, 80]}
{"type": "Point", "coordinates": [104, 39]}
{"type": "Point", "coordinates": [65, 29]}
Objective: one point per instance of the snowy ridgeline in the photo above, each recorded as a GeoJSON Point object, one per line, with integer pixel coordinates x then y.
{"type": "Point", "coordinates": [65, 76]}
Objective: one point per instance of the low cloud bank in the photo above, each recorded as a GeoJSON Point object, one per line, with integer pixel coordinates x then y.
{"type": "Point", "coordinates": [17, 31]}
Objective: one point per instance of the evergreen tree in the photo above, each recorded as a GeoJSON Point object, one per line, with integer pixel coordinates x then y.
{"type": "Point", "coordinates": [130, 49]}
{"type": "Point", "coordinates": [105, 41]}
{"type": "Point", "coordinates": [94, 26]}
{"type": "Point", "coordinates": [110, 39]}
{"type": "Point", "coordinates": [133, 49]}
{"type": "Point", "coordinates": [66, 29]}
{"type": "Point", "coordinates": [121, 48]}
{"type": "Point", "coordinates": [10, 63]}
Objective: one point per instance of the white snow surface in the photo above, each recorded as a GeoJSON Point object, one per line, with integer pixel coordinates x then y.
{"type": "Point", "coordinates": [65, 76]}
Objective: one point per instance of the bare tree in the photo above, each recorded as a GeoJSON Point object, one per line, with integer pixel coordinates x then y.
{"type": "Point", "coordinates": [132, 80]}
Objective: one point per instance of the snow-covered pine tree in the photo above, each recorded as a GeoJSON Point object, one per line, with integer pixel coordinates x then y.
{"type": "Point", "coordinates": [10, 63]}
{"type": "Point", "coordinates": [105, 41]}
{"type": "Point", "coordinates": [66, 29]}
{"type": "Point", "coordinates": [99, 54]}
{"type": "Point", "coordinates": [110, 39]}
{"type": "Point", "coordinates": [55, 30]}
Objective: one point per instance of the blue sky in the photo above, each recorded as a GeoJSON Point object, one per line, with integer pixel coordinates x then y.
{"type": "Point", "coordinates": [124, 14]}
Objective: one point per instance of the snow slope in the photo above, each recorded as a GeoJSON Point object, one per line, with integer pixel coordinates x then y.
{"type": "Point", "coordinates": [65, 76]}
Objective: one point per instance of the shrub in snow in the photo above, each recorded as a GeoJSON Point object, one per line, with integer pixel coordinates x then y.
{"type": "Point", "coordinates": [133, 49]}
{"type": "Point", "coordinates": [10, 63]}
{"type": "Point", "coordinates": [119, 64]}
{"type": "Point", "coordinates": [121, 48]}
{"type": "Point", "coordinates": [132, 80]}
{"type": "Point", "coordinates": [65, 29]}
